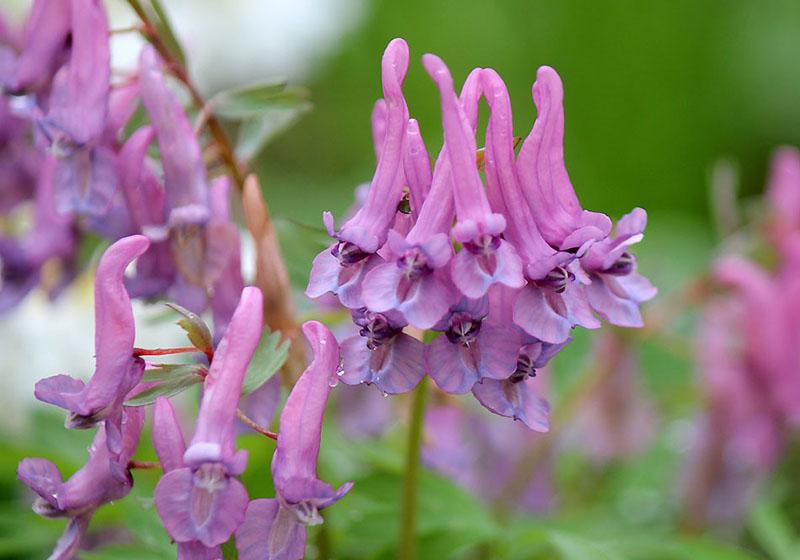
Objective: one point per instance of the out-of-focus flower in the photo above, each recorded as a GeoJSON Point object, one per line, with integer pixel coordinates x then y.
{"type": "Point", "coordinates": [202, 500]}
{"type": "Point", "coordinates": [103, 479]}
{"type": "Point", "coordinates": [117, 370]}
{"type": "Point", "coordinates": [275, 528]}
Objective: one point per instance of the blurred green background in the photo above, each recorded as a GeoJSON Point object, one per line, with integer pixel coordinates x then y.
{"type": "Point", "coordinates": [655, 92]}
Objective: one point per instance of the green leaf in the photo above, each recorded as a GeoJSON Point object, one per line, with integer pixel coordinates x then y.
{"type": "Point", "coordinates": [270, 355]}
{"type": "Point", "coordinates": [576, 547]}
{"type": "Point", "coordinates": [257, 132]}
{"type": "Point", "coordinates": [169, 388]}
{"type": "Point", "coordinates": [158, 16]}
{"type": "Point", "coordinates": [166, 372]}
{"type": "Point", "coordinates": [773, 531]}
{"type": "Point", "coordinates": [252, 100]}
{"type": "Point", "coordinates": [196, 329]}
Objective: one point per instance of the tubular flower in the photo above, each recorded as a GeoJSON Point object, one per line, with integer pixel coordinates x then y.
{"type": "Point", "coordinates": [103, 479]}
{"type": "Point", "coordinates": [415, 280]}
{"type": "Point", "coordinates": [543, 174]}
{"type": "Point", "coordinates": [275, 529]}
{"type": "Point", "coordinates": [551, 303]}
{"type": "Point", "coordinates": [170, 447]}
{"type": "Point", "coordinates": [615, 289]}
{"type": "Point", "coordinates": [341, 268]}
{"type": "Point", "coordinates": [202, 501]}
{"type": "Point", "coordinates": [486, 258]}
{"type": "Point", "coordinates": [117, 370]}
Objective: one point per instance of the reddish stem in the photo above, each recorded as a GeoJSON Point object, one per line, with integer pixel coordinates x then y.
{"type": "Point", "coordinates": [164, 351]}
{"type": "Point", "coordinates": [243, 418]}
{"type": "Point", "coordinates": [144, 465]}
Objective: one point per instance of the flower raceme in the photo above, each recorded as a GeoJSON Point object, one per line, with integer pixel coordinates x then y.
{"type": "Point", "coordinates": [504, 270]}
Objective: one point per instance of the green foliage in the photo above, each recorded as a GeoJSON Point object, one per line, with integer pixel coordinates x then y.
{"type": "Point", "coordinates": [196, 329]}
{"type": "Point", "coordinates": [181, 380]}
{"type": "Point", "coordinates": [269, 357]}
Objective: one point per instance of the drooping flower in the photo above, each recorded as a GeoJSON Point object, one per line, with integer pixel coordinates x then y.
{"type": "Point", "coordinates": [341, 268]}
{"type": "Point", "coordinates": [614, 288]}
{"type": "Point", "coordinates": [551, 303]}
{"type": "Point", "coordinates": [170, 447]}
{"type": "Point", "coordinates": [103, 479]}
{"type": "Point", "coordinates": [202, 500]}
{"type": "Point", "coordinates": [275, 528]}
{"type": "Point", "coordinates": [543, 174]}
{"type": "Point", "coordinates": [117, 370]}
{"type": "Point", "coordinates": [486, 258]}
{"type": "Point", "coordinates": [382, 354]}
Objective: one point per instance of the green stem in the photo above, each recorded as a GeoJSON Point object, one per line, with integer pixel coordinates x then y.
{"type": "Point", "coordinates": [408, 507]}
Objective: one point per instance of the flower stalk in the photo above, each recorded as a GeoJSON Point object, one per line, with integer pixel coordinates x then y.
{"type": "Point", "coordinates": [408, 506]}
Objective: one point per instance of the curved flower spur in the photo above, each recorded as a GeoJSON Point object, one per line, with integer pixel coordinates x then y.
{"type": "Point", "coordinates": [275, 528]}
{"type": "Point", "coordinates": [117, 369]}
{"type": "Point", "coordinates": [202, 500]}
{"type": "Point", "coordinates": [341, 268]}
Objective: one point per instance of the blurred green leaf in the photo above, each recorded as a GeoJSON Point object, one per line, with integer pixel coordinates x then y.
{"type": "Point", "coordinates": [196, 329]}
{"type": "Point", "coordinates": [300, 243]}
{"type": "Point", "coordinates": [252, 100]}
{"type": "Point", "coordinates": [576, 547]}
{"type": "Point", "coordinates": [163, 28]}
{"type": "Point", "coordinates": [173, 386]}
{"type": "Point", "coordinates": [269, 356]}
{"type": "Point", "coordinates": [256, 132]}
{"type": "Point", "coordinates": [773, 531]}
{"type": "Point", "coordinates": [166, 372]}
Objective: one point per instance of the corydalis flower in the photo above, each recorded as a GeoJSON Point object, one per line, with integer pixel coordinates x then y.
{"type": "Point", "coordinates": [382, 354]}
{"type": "Point", "coordinates": [486, 258]}
{"type": "Point", "coordinates": [202, 501]}
{"type": "Point", "coordinates": [104, 478]}
{"type": "Point", "coordinates": [341, 268]}
{"type": "Point", "coordinates": [117, 370]}
{"type": "Point", "coordinates": [275, 529]}
{"type": "Point", "coordinates": [552, 303]}
{"type": "Point", "coordinates": [415, 280]}
{"type": "Point", "coordinates": [615, 289]}
{"type": "Point", "coordinates": [543, 174]}
{"type": "Point", "coordinates": [170, 447]}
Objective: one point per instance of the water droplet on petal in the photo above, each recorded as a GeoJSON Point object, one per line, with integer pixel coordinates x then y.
{"type": "Point", "coordinates": [385, 394]}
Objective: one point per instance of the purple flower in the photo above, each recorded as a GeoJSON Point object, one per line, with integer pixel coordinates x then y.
{"type": "Point", "coordinates": [276, 528]}
{"type": "Point", "coordinates": [471, 349]}
{"type": "Point", "coordinates": [543, 174]}
{"type": "Point", "coordinates": [783, 195]}
{"type": "Point", "coordinates": [202, 501]}
{"type": "Point", "coordinates": [103, 479]}
{"type": "Point", "coordinates": [552, 303]}
{"type": "Point", "coordinates": [415, 280]}
{"type": "Point", "coordinates": [44, 45]}
{"type": "Point", "coordinates": [382, 354]}
{"type": "Point", "coordinates": [614, 288]}
{"type": "Point", "coordinates": [486, 258]}
{"type": "Point", "coordinates": [117, 370]}
{"type": "Point", "coordinates": [170, 447]}
{"type": "Point", "coordinates": [341, 268]}
{"type": "Point", "coordinates": [416, 167]}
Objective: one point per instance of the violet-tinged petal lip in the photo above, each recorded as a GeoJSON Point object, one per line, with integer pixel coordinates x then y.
{"type": "Point", "coordinates": [519, 401]}
{"type": "Point", "coordinates": [69, 542]}
{"type": "Point", "coordinates": [193, 509]}
{"type": "Point", "coordinates": [78, 104]}
{"type": "Point", "coordinates": [41, 476]}
{"type": "Point", "coordinates": [86, 183]}
{"type": "Point", "coordinates": [612, 298]}
{"type": "Point", "coordinates": [473, 273]}
{"type": "Point", "coordinates": [270, 532]}
{"type": "Point", "coordinates": [167, 435]}
{"type": "Point", "coordinates": [184, 172]}
{"type": "Point", "coordinates": [543, 172]}
{"type": "Point", "coordinates": [542, 314]}
{"type": "Point", "coordinates": [394, 367]}
{"type": "Point", "coordinates": [223, 384]}
{"type": "Point", "coordinates": [195, 550]}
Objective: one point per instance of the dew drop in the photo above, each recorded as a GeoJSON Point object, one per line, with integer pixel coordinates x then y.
{"type": "Point", "coordinates": [385, 394]}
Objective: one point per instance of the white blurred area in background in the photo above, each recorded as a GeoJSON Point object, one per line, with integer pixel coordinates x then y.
{"type": "Point", "coordinates": [228, 43]}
